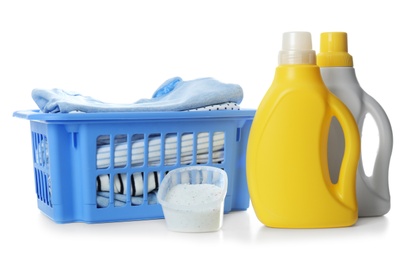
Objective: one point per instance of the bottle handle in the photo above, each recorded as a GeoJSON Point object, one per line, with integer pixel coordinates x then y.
{"type": "Point", "coordinates": [345, 187]}
{"type": "Point", "coordinates": [378, 181]}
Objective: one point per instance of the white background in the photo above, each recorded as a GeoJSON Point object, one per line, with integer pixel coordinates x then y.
{"type": "Point", "coordinates": [121, 51]}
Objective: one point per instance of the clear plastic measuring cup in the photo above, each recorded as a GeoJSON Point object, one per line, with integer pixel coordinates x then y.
{"type": "Point", "coordinates": [192, 198]}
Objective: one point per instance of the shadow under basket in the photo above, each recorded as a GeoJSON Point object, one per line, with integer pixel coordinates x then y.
{"type": "Point", "coordinates": [107, 167]}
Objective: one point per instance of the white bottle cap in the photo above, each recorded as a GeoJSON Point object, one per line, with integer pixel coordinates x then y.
{"type": "Point", "coordinates": [297, 49]}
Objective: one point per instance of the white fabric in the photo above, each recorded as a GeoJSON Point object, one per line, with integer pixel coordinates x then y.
{"type": "Point", "coordinates": [154, 150]}
{"type": "Point", "coordinates": [120, 183]}
{"type": "Point", "coordinates": [224, 106]}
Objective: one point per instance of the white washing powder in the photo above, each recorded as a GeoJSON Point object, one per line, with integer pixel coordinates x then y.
{"type": "Point", "coordinates": [193, 194]}
{"type": "Point", "coordinates": [198, 219]}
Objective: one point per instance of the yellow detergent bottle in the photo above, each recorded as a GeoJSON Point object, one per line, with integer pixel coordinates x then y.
{"type": "Point", "coordinates": [287, 162]}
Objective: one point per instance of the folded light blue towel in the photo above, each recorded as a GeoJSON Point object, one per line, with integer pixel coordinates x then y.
{"type": "Point", "coordinates": [174, 94]}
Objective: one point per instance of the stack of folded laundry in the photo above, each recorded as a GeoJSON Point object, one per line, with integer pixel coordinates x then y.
{"type": "Point", "coordinates": [175, 94]}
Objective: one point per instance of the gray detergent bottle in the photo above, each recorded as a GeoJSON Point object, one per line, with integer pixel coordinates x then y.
{"type": "Point", "coordinates": [338, 74]}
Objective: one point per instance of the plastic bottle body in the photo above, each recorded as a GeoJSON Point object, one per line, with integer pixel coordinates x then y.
{"type": "Point", "coordinates": [287, 164]}
{"type": "Point", "coordinates": [372, 191]}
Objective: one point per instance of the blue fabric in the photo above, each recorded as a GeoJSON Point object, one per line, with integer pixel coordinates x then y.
{"type": "Point", "coordinates": [174, 94]}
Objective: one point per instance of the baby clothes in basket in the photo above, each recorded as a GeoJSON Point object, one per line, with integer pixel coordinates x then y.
{"type": "Point", "coordinates": [205, 94]}
{"type": "Point", "coordinates": [174, 94]}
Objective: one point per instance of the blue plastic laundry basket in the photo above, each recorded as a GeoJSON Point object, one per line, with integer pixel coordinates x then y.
{"type": "Point", "coordinates": [107, 167]}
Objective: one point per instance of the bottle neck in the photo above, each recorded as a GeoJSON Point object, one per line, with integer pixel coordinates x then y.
{"type": "Point", "coordinates": [340, 76]}
{"type": "Point", "coordinates": [302, 74]}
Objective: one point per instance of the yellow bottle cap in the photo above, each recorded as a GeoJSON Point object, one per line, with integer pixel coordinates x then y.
{"type": "Point", "coordinates": [333, 50]}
